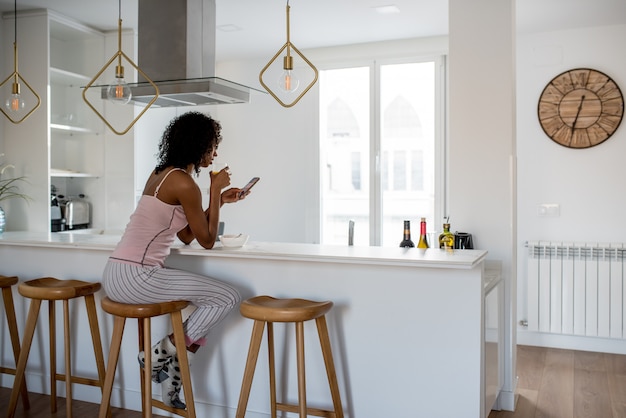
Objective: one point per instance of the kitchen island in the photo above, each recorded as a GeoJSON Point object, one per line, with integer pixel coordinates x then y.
{"type": "Point", "coordinates": [407, 329]}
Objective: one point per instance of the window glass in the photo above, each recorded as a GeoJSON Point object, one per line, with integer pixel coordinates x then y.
{"type": "Point", "coordinates": [344, 154]}
{"type": "Point", "coordinates": [377, 177]}
{"type": "Point", "coordinates": [407, 115]}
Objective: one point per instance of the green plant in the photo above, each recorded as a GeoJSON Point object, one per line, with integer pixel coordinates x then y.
{"type": "Point", "coordinates": [9, 186]}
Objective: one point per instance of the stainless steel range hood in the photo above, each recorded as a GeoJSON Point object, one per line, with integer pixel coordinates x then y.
{"type": "Point", "coordinates": [176, 49]}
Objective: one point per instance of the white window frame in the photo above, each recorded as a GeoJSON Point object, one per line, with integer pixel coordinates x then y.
{"type": "Point", "coordinates": [441, 142]}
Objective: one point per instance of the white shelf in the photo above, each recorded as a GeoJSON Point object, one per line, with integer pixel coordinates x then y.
{"type": "Point", "coordinates": [69, 129]}
{"type": "Point", "coordinates": [68, 78]}
{"type": "Point", "coordinates": [56, 172]}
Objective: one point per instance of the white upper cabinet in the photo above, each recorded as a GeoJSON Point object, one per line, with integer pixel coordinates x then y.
{"type": "Point", "coordinates": [62, 143]}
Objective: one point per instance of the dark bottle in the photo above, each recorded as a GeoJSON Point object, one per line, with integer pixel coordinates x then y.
{"type": "Point", "coordinates": [423, 242]}
{"type": "Point", "coordinates": [406, 242]}
{"type": "Point", "coordinates": [446, 239]}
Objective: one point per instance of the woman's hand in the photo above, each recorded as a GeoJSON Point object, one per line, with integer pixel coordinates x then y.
{"type": "Point", "coordinates": [232, 195]}
{"type": "Point", "coordinates": [221, 179]}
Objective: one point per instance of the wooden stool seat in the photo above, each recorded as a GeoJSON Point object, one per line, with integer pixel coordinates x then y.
{"type": "Point", "coordinates": [143, 313]}
{"type": "Point", "coordinates": [6, 281]}
{"type": "Point", "coordinates": [142, 310]}
{"type": "Point", "coordinates": [52, 290]}
{"type": "Point", "coordinates": [6, 284]}
{"type": "Point", "coordinates": [267, 310]}
{"type": "Point", "coordinates": [49, 288]}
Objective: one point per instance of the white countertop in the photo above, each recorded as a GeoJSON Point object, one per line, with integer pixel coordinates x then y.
{"type": "Point", "coordinates": [430, 258]}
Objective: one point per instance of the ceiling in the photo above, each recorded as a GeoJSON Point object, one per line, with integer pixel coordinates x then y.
{"type": "Point", "coordinates": [248, 28]}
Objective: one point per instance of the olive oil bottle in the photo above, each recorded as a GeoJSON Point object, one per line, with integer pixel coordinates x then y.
{"type": "Point", "coordinates": [446, 238]}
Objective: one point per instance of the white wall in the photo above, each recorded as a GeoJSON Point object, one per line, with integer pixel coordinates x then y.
{"type": "Point", "coordinates": [278, 145]}
{"type": "Point", "coordinates": [24, 142]}
{"type": "Point", "coordinates": [586, 183]}
{"type": "Point", "coordinates": [482, 145]}
{"type": "Point", "coordinates": [281, 145]}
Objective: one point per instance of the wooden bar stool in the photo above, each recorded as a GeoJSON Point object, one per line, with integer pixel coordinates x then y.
{"type": "Point", "coordinates": [266, 309]}
{"type": "Point", "coordinates": [6, 284]}
{"type": "Point", "coordinates": [143, 313]}
{"type": "Point", "coordinates": [52, 289]}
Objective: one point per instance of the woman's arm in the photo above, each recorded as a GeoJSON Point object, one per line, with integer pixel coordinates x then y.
{"type": "Point", "coordinates": [203, 224]}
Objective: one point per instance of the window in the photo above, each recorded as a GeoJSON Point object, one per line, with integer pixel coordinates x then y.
{"type": "Point", "coordinates": [381, 150]}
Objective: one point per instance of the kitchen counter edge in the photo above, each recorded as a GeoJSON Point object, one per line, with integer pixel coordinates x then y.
{"type": "Point", "coordinates": [410, 257]}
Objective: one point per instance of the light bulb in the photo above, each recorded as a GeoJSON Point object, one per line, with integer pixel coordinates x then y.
{"type": "Point", "coordinates": [119, 92]}
{"type": "Point", "coordinates": [288, 81]}
{"type": "Point", "coordinates": [14, 103]}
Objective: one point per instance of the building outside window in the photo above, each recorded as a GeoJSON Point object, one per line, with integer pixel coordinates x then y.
{"type": "Point", "coordinates": [381, 150]}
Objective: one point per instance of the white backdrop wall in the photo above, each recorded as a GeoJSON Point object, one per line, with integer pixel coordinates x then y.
{"type": "Point", "coordinates": [281, 145]}
{"type": "Point", "coordinates": [585, 183]}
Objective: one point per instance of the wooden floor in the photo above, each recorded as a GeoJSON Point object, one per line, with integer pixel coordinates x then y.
{"type": "Point", "coordinates": [556, 383]}
{"type": "Point", "coordinates": [553, 383]}
{"type": "Point", "coordinates": [40, 408]}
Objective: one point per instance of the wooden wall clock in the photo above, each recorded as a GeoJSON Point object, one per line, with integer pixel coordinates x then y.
{"type": "Point", "coordinates": [581, 108]}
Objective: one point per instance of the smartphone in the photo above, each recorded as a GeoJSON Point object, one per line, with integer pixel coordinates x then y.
{"type": "Point", "coordinates": [248, 186]}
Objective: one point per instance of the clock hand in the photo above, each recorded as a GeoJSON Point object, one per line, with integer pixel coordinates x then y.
{"type": "Point", "coordinates": [580, 106]}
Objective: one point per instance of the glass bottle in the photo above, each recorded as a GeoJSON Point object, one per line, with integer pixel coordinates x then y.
{"type": "Point", "coordinates": [446, 238]}
{"type": "Point", "coordinates": [406, 241]}
{"type": "Point", "coordinates": [423, 242]}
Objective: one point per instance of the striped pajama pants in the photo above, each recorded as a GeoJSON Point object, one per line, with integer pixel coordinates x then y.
{"type": "Point", "coordinates": [213, 299]}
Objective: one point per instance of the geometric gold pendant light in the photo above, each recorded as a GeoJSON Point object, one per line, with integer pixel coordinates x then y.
{"type": "Point", "coordinates": [14, 107]}
{"type": "Point", "coordinates": [288, 82]}
{"type": "Point", "coordinates": [118, 91]}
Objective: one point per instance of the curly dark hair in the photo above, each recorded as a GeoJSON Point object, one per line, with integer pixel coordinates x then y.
{"type": "Point", "coordinates": [186, 140]}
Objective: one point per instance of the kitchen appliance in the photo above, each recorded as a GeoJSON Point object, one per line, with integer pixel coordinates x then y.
{"type": "Point", "coordinates": [77, 213]}
{"type": "Point", "coordinates": [57, 223]}
{"type": "Point", "coordinates": [463, 241]}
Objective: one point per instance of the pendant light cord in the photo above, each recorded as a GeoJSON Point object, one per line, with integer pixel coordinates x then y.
{"type": "Point", "coordinates": [15, 21]}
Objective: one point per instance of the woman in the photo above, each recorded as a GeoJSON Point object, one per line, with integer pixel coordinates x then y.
{"type": "Point", "coordinates": [170, 207]}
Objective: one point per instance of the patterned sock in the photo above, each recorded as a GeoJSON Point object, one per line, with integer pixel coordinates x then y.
{"type": "Point", "coordinates": [162, 352]}
{"type": "Point", "coordinates": [170, 387]}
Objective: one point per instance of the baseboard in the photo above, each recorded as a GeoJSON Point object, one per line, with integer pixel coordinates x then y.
{"type": "Point", "coordinates": [571, 342]}
{"type": "Point", "coordinates": [507, 400]}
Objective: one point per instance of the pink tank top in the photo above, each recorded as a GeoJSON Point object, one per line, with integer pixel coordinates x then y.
{"type": "Point", "coordinates": [151, 231]}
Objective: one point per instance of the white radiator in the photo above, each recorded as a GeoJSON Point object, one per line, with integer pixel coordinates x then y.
{"type": "Point", "coordinates": [577, 288]}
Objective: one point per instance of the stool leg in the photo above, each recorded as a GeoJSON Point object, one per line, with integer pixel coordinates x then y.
{"type": "Point", "coordinates": [9, 307]}
{"type": "Point", "coordinates": [147, 362]}
{"type": "Point", "coordinates": [68, 358]}
{"type": "Point", "coordinates": [114, 353]}
{"type": "Point", "coordinates": [181, 351]}
{"type": "Point", "coordinates": [29, 331]}
{"type": "Point", "coordinates": [253, 354]}
{"type": "Point", "coordinates": [322, 330]}
{"type": "Point", "coordinates": [146, 375]}
{"type": "Point", "coordinates": [53, 355]}
{"type": "Point", "coordinates": [301, 372]}
{"type": "Point", "coordinates": [90, 304]}
{"type": "Point", "coordinates": [272, 366]}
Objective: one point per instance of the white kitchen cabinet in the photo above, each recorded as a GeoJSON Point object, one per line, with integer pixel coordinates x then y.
{"type": "Point", "coordinates": [62, 142]}
{"type": "Point", "coordinates": [76, 133]}
{"type": "Point", "coordinates": [413, 351]}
